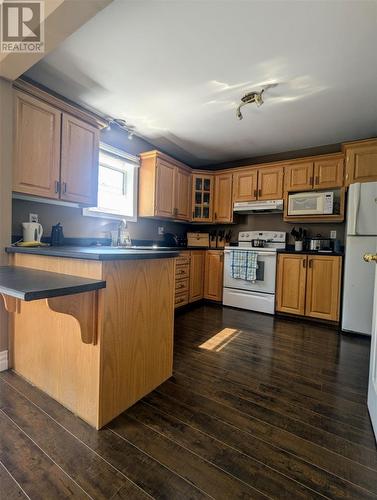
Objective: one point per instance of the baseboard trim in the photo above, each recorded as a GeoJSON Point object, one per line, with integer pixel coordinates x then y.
{"type": "Point", "coordinates": [3, 361]}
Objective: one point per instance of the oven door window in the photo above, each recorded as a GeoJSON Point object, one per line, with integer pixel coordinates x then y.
{"type": "Point", "coordinates": [260, 270]}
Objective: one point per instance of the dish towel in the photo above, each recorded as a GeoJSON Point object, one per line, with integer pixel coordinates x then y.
{"type": "Point", "coordinates": [244, 265]}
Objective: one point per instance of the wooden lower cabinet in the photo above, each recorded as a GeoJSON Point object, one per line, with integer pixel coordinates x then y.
{"type": "Point", "coordinates": [213, 276]}
{"type": "Point", "coordinates": [309, 285]}
{"type": "Point", "coordinates": [198, 275]}
{"type": "Point", "coordinates": [291, 283]}
{"type": "Point", "coordinates": [197, 263]}
{"type": "Point", "coordinates": [323, 287]}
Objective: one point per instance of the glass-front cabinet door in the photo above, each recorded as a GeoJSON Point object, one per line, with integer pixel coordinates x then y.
{"type": "Point", "coordinates": [202, 198]}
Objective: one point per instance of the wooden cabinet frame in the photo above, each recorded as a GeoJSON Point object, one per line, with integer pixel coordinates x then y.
{"type": "Point", "coordinates": [223, 202]}
{"type": "Point", "coordinates": [317, 218]}
{"type": "Point", "coordinates": [164, 187]}
{"type": "Point", "coordinates": [309, 285]}
{"type": "Point", "coordinates": [204, 177]}
{"type": "Point", "coordinates": [361, 161]}
{"type": "Point", "coordinates": [56, 159]}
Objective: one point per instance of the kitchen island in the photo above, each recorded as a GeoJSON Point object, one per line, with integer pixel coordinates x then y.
{"type": "Point", "coordinates": [127, 350]}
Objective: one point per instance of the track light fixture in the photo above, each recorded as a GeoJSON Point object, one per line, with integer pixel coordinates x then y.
{"type": "Point", "coordinates": [249, 98]}
{"type": "Point", "coordinates": [130, 129]}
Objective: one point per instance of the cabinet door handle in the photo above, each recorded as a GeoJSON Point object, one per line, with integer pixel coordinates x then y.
{"type": "Point", "coordinates": [64, 187]}
{"type": "Point", "coordinates": [260, 193]}
{"type": "Point", "coordinates": [310, 263]}
{"type": "Point", "coordinates": [255, 193]}
{"type": "Point", "coordinates": [311, 180]}
{"type": "Point", "coordinates": [316, 180]}
{"type": "Point", "coordinates": [304, 263]}
{"type": "Point", "coordinates": [57, 186]}
{"type": "Point", "coordinates": [215, 215]}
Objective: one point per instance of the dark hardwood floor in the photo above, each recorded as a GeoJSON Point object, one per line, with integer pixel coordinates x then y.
{"type": "Point", "coordinates": [258, 407]}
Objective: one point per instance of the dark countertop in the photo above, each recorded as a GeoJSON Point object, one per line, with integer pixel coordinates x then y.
{"type": "Point", "coordinates": [31, 284]}
{"type": "Point", "coordinates": [97, 253]}
{"type": "Point", "coordinates": [310, 252]}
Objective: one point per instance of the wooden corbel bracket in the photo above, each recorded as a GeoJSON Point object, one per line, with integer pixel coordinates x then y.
{"type": "Point", "coordinates": [84, 308]}
{"type": "Point", "coordinates": [12, 304]}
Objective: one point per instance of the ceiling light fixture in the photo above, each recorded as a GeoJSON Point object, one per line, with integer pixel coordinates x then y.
{"type": "Point", "coordinates": [130, 129]}
{"type": "Point", "coordinates": [249, 98]}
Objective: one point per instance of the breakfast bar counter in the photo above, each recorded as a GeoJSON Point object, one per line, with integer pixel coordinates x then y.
{"type": "Point", "coordinates": [127, 348]}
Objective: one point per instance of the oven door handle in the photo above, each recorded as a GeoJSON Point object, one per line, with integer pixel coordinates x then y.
{"type": "Point", "coordinates": [272, 254]}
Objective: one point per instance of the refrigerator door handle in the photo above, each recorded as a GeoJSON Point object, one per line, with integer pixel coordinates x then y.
{"type": "Point", "coordinates": [353, 212]}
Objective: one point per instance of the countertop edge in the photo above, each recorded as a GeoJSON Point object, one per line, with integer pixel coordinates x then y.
{"type": "Point", "coordinates": [83, 255]}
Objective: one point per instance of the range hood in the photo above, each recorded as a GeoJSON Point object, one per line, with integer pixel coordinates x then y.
{"type": "Point", "coordinates": [251, 207]}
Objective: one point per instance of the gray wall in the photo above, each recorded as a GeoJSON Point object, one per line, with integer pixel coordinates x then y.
{"type": "Point", "coordinates": [77, 225]}
{"type": "Point", "coordinates": [274, 222]}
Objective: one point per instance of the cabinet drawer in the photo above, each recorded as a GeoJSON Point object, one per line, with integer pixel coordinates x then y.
{"type": "Point", "coordinates": [183, 260]}
{"type": "Point", "coordinates": [182, 271]}
{"type": "Point", "coordinates": [181, 299]}
{"type": "Point", "coordinates": [182, 286]}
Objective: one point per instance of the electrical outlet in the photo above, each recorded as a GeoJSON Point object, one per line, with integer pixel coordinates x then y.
{"type": "Point", "coordinates": [33, 218]}
{"type": "Point", "coordinates": [333, 234]}
{"type": "Point", "coordinates": [161, 230]}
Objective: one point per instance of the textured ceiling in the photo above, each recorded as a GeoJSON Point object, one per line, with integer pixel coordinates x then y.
{"type": "Point", "coordinates": [176, 70]}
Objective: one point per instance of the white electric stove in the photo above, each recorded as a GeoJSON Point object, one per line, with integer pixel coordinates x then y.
{"type": "Point", "coordinates": [258, 295]}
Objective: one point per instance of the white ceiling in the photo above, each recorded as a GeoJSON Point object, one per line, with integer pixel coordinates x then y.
{"type": "Point", "coordinates": [177, 69]}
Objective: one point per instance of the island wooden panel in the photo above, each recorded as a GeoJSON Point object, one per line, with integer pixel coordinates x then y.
{"type": "Point", "coordinates": [47, 349]}
{"type": "Point", "coordinates": [137, 332]}
{"type": "Point", "coordinates": [134, 349]}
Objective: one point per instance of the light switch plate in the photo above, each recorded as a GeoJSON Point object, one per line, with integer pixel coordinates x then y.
{"type": "Point", "coordinates": [33, 217]}
{"type": "Point", "coordinates": [161, 230]}
{"type": "Point", "coordinates": [333, 234]}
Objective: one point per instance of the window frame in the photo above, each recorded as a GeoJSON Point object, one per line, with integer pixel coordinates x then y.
{"type": "Point", "coordinates": [135, 160]}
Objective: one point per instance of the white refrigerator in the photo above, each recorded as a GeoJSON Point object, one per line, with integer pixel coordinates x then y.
{"type": "Point", "coordinates": [361, 238]}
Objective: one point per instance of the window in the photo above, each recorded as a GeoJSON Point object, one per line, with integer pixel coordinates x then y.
{"type": "Point", "coordinates": [117, 185]}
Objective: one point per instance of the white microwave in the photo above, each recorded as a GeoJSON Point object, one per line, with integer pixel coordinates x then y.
{"type": "Point", "coordinates": [311, 203]}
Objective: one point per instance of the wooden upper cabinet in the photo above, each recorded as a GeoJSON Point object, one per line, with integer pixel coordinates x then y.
{"type": "Point", "coordinates": [323, 287]}
{"type": "Point", "coordinates": [79, 161]}
{"type": "Point", "coordinates": [270, 183]}
{"type": "Point", "coordinates": [328, 173]}
{"type": "Point", "coordinates": [165, 189]}
{"type": "Point", "coordinates": [299, 176]}
{"type": "Point", "coordinates": [36, 169]}
{"type": "Point", "coordinates": [245, 186]}
{"type": "Point", "coordinates": [202, 197]}
{"type": "Point", "coordinates": [291, 283]}
{"type": "Point", "coordinates": [361, 161]}
{"type": "Point", "coordinates": [223, 205]}
{"type": "Point", "coordinates": [213, 276]}
{"type": "Point", "coordinates": [197, 263]}
{"type": "Point", "coordinates": [182, 209]}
